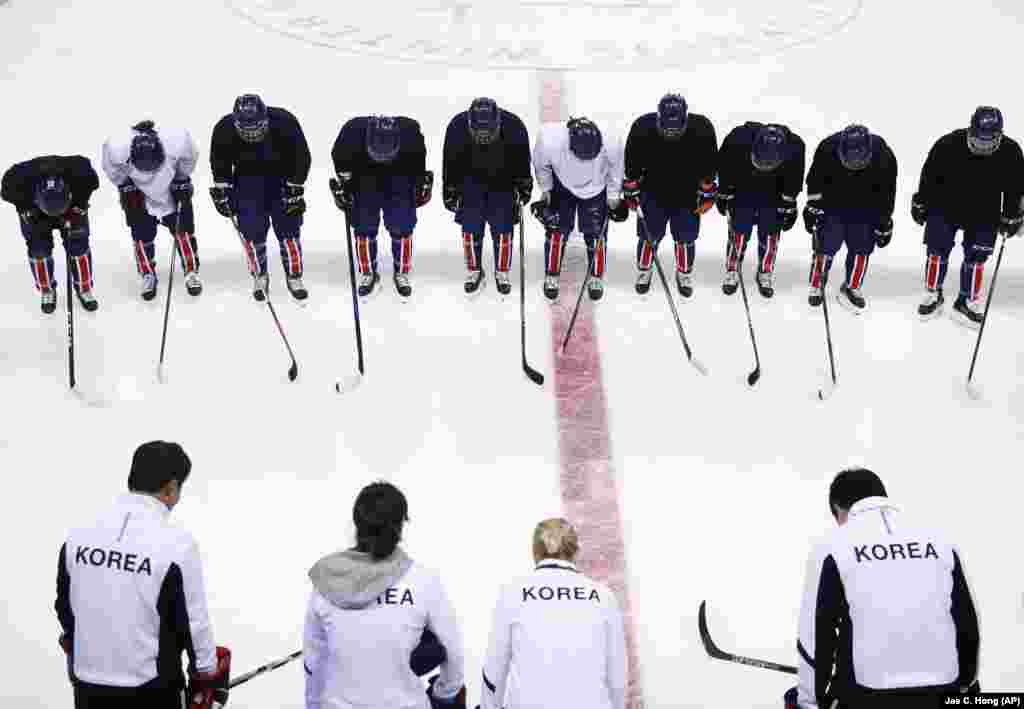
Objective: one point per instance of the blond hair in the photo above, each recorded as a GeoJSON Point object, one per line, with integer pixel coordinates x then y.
{"type": "Point", "coordinates": [555, 538]}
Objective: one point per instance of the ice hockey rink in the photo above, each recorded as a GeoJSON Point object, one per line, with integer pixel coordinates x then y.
{"type": "Point", "coordinates": [684, 487]}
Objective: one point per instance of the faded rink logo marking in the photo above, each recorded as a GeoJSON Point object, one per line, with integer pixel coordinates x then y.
{"type": "Point", "coordinates": [600, 35]}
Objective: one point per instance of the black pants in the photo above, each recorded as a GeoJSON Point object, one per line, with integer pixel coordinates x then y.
{"type": "Point", "coordinates": [93, 696]}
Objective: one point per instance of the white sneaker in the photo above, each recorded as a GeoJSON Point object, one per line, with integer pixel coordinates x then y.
{"type": "Point", "coordinates": [149, 286]}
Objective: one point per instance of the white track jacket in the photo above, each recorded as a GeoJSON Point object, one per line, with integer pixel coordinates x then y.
{"type": "Point", "coordinates": [130, 594]}
{"type": "Point", "coordinates": [584, 178]}
{"type": "Point", "coordinates": [363, 620]}
{"type": "Point", "coordinates": [887, 603]}
{"type": "Point", "coordinates": [557, 641]}
{"type": "Point", "coordinates": [181, 157]}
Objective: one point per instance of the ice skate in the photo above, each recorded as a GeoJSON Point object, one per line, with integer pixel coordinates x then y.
{"type": "Point", "coordinates": [643, 281]}
{"type": "Point", "coordinates": [297, 288]}
{"type": "Point", "coordinates": [814, 297]}
{"type": "Point", "coordinates": [87, 299]}
{"type": "Point", "coordinates": [474, 282]}
{"type": "Point", "coordinates": [149, 282]}
{"type": "Point", "coordinates": [551, 287]}
{"type": "Point", "coordinates": [931, 304]}
{"type": "Point", "coordinates": [193, 285]}
{"type": "Point", "coordinates": [731, 282]}
{"type": "Point", "coordinates": [260, 287]}
{"type": "Point", "coordinates": [402, 285]}
{"type": "Point", "coordinates": [503, 282]}
{"type": "Point", "coordinates": [48, 301]}
{"type": "Point", "coordinates": [765, 284]}
{"type": "Point", "coordinates": [684, 282]}
{"type": "Point", "coordinates": [367, 285]}
{"type": "Point", "coordinates": [967, 313]}
{"type": "Point", "coordinates": [851, 299]}
{"type": "Point", "coordinates": [595, 288]}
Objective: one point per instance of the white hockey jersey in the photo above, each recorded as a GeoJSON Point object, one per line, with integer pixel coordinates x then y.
{"type": "Point", "coordinates": [887, 603]}
{"type": "Point", "coordinates": [181, 157]}
{"type": "Point", "coordinates": [130, 595]}
{"type": "Point", "coordinates": [363, 620]}
{"type": "Point", "coordinates": [584, 178]}
{"type": "Point", "coordinates": [557, 641]}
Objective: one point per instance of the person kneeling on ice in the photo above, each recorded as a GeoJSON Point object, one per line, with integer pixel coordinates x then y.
{"type": "Point", "coordinates": [152, 169]}
{"type": "Point", "coordinates": [851, 194]}
{"type": "Point", "coordinates": [52, 192]}
{"type": "Point", "coordinates": [260, 161]}
{"type": "Point", "coordinates": [973, 180]}
{"type": "Point", "coordinates": [887, 619]}
{"type": "Point", "coordinates": [559, 633]}
{"type": "Point", "coordinates": [486, 179]}
{"type": "Point", "coordinates": [580, 177]}
{"type": "Point", "coordinates": [377, 621]}
{"type": "Point", "coordinates": [381, 167]}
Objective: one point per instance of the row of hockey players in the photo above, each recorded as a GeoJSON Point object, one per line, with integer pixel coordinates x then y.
{"type": "Point", "coordinates": [131, 600]}
{"type": "Point", "coordinates": [670, 170]}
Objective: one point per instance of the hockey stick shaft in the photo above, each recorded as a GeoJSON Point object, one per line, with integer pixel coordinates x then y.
{"type": "Point", "coordinates": [534, 376]}
{"type": "Point", "coordinates": [756, 374]}
{"type": "Point", "coordinates": [583, 288]}
{"type": "Point", "coordinates": [263, 669]}
{"type": "Point", "coordinates": [71, 317]}
{"type": "Point", "coordinates": [825, 265]}
{"type": "Point", "coordinates": [717, 653]}
{"type": "Point", "coordinates": [170, 283]}
{"type": "Point", "coordinates": [988, 302]}
{"type": "Point", "coordinates": [355, 296]}
{"type": "Point", "coordinates": [293, 371]}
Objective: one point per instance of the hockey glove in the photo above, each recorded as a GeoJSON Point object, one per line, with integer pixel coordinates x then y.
{"type": "Point", "coordinates": [132, 199]}
{"type": "Point", "coordinates": [77, 220]}
{"type": "Point", "coordinates": [706, 197]}
{"type": "Point", "coordinates": [813, 215]}
{"type": "Point", "coordinates": [30, 216]}
{"type": "Point", "coordinates": [617, 210]}
{"type": "Point", "coordinates": [787, 212]}
{"type": "Point", "coordinates": [724, 202]}
{"type": "Point", "coordinates": [209, 690]}
{"type": "Point", "coordinates": [65, 643]}
{"type": "Point", "coordinates": [182, 190]}
{"type": "Point", "coordinates": [293, 199]}
{"type": "Point", "coordinates": [341, 188]}
{"type": "Point", "coordinates": [452, 198]}
{"type": "Point", "coordinates": [883, 233]}
{"type": "Point", "coordinates": [631, 193]}
{"type": "Point", "coordinates": [456, 702]}
{"type": "Point", "coordinates": [545, 214]}
{"type": "Point", "coordinates": [524, 189]}
{"type": "Point", "coordinates": [918, 210]}
{"type": "Point", "coordinates": [424, 188]}
{"type": "Point", "coordinates": [223, 196]}
{"type": "Point", "coordinates": [1010, 226]}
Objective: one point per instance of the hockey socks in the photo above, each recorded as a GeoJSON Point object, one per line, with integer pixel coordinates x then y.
{"type": "Point", "coordinates": [856, 270]}
{"type": "Point", "coordinates": [554, 249]}
{"type": "Point", "coordinates": [145, 257]}
{"type": "Point", "coordinates": [596, 252]}
{"type": "Point", "coordinates": [685, 254]}
{"type": "Point", "coordinates": [42, 272]}
{"type": "Point", "coordinates": [820, 266]}
{"type": "Point", "coordinates": [188, 250]}
{"type": "Point", "coordinates": [401, 253]}
{"type": "Point", "coordinates": [971, 274]}
{"type": "Point", "coordinates": [291, 256]}
{"type": "Point", "coordinates": [256, 255]}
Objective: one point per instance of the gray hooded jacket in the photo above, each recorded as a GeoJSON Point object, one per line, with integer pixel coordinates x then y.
{"type": "Point", "coordinates": [353, 579]}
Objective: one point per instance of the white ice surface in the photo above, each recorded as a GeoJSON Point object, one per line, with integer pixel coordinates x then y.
{"type": "Point", "coordinates": [722, 487]}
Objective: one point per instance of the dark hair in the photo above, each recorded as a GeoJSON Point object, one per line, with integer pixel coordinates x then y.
{"type": "Point", "coordinates": [379, 513]}
{"type": "Point", "coordinates": [157, 463]}
{"type": "Point", "coordinates": [851, 485]}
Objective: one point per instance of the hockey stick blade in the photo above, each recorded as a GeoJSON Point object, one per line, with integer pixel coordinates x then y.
{"type": "Point", "coordinates": [699, 366]}
{"type": "Point", "coordinates": [753, 377]}
{"type": "Point", "coordinates": [534, 376]}
{"type": "Point", "coordinates": [717, 653]}
{"type": "Point", "coordinates": [825, 392]}
{"type": "Point", "coordinates": [348, 384]}
{"type": "Point", "coordinates": [973, 392]}
{"type": "Point", "coordinates": [293, 371]}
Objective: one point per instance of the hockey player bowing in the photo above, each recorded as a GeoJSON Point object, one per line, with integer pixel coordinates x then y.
{"type": "Point", "coordinates": [260, 161]}
{"type": "Point", "coordinates": [131, 599]}
{"type": "Point", "coordinates": [671, 161]}
{"type": "Point", "coordinates": [486, 179]}
{"type": "Point", "coordinates": [381, 167]}
{"type": "Point", "coordinates": [581, 179]}
{"type": "Point", "coordinates": [52, 192]}
{"type": "Point", "coordinates": [887, 619]}
{"type": "Point", "coordinates": [761, 172]}
{"type": "Point", "coordinates": [972, 180]}
{"type": "Point", "coordinates": [376, 619]}
{"type": "Point", "coordinates": [851, 194]}
{"type": "Point", "coordinates": [558, 632]}
{"type": "Point", "coordinates": [152, 170]}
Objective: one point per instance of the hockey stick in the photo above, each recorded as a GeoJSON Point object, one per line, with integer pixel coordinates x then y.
{"type": "Point", "coordinates": [668, 294]}
{"type": "Point", "coordinates": [719, 654]}
{"type": "Point", "coordinates": [826, 391]}
{"type": "Point", "coordinates": [350, 383]}
{"type": "Point", "coordinates": [71, 316]}
{"type": "Point", "coordinates": [971, 390]}
{"type": "Point", "coordinates": [293, 371]}
{"type": "Point", "coordinates": [583, 288]}
{"type": "Point", "coordinates": [170, 289]}
{"type": "Point", "coordinates": [756, 374]}
{"type": "Point", "coordinates": [534, 376]}
{"type": "Point", "coordinates": [262, 669]}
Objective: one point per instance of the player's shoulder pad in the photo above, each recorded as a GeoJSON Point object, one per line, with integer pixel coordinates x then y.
{"type": "Point", "coordinates": [701, 121]}
{"type": "Point", "coordinates": [513, 125]}
{"type": "Point", "coordinates": [459, 120]}
{"type": "Point", "coordinates": [407, 123]}
{"type": "Point", "coordinates": [646, 121]}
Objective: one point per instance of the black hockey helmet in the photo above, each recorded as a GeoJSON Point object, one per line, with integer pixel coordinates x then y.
{"type": "Point", "coordinates": [52, 196]}
{"type": "Point", "coordinates": [673, 115]}
{"type": "Point", "coordinates": [855, 149]}
{"type": "Point", "coordinates": [383, 138]}
{"type": "Point", "coordinates": [147, 152]}
{"type": "Point", "coordinates": [484, 118]}
{"type": "Point", "coordinates": [769, 148]}
{"type": "Point", "coordinates": [985, 134]}
{"type": "Point", "coordinates": [585, 139]}
{"type": "Point", "coordinates": [252, 120]}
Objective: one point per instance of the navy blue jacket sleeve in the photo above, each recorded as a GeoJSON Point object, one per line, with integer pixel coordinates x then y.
{"type": "Point", "coordinates": [888, 179]}
{"type": "Point", "coordinates": [708, 160]}
{"type": "Point", "coordinates": [517, 145]}
{"type": "Point", "coordinates": [82, 179]}
{"type": "Point", "coordinates": [735, 151]}
{"type": "Point", "coordinates": [348, 153]}
{"type": "Point", "coordinates": [965, 619]}
{"type": "Point", "coordinates": [635, 158]}
{"type": "Point", "coordinates": [453, 169]}
{"type": "Point", "coordinates": [793, 170]}
{"type": "Point", "coordinates": [18, 185]}
{"type": "Point", "coordinates": [63, 603]}
{"type": "Point", "coordinates": [414, 148]}
{"type": "Point", "coordinates": [298, 149]}
{"type": "Point", "coordinates": [832, 609]}
{"type": "Point", "coordinates": [1013, 180]}
{"type": "Point", "coordinates": [222, 150]}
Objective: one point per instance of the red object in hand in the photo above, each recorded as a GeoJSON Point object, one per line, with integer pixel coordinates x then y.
{"type": "Point", "coordinates": [209, 690]}
{"type": "Point", "coordinates": [65, 643]}
{"type": "Point", "coordinates": [631, 193]}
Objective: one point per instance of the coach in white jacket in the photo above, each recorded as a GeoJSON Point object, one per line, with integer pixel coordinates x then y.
{"type": "Point", "coordinates": [152, 170]}
{"type": "Point", "coordinates": [558, 639]}
{"type": "Point", "coordinates": [367, 616]}
{"type": "Point", "coordinates": [887, 620]}
{"type": "Point", "coordinates": [579, 172]}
